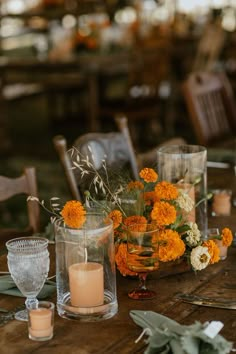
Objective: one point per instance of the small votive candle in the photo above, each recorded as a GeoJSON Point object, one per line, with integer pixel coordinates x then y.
{"type": "Point", "coordinates": [221, 205]}
{"type": "Point", "coordinates": [223, 249]}
{"type": "Point", "coordinates": [41, 321]}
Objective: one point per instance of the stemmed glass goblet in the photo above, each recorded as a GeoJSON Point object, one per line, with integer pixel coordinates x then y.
{"type": "Point", "coordinates": [142, 256]}
{"type": "Point", "coordinates": [28, 263]}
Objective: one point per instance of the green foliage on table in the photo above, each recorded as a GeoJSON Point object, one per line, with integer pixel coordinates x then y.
{"type": "Point", "coordinates": [166, 336]}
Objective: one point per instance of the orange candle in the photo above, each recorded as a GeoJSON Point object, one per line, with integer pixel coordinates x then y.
{"type": "Point", "coordinates": [40, 323]}
{"type": "Point", "coordinates": [223, 249]}
{"type": "Point", "coordinates": [86, 284]}
{"type": "Point", "coordinates": [221, 203]}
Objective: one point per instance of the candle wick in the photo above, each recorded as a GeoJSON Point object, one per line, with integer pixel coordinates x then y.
{"type": "Point", "coordinates": [86, 255]}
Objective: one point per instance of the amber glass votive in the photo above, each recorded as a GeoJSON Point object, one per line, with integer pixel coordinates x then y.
{"type": "Point", "coordinates": [221, 205]}
{"type": "Point", "coordinates": [41, 321]}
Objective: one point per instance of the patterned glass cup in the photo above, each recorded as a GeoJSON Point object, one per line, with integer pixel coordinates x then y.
{"type": "Point", "coordinates": [28, 263]}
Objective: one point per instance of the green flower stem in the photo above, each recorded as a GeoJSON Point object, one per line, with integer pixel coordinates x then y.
{"type": "Point", "coordinates": [208, 196]}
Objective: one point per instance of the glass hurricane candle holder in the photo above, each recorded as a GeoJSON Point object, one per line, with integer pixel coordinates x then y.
{"type": "Point", "coordinates": [85, 269]}
{"type": "Point", "coordinates": [185, 165]}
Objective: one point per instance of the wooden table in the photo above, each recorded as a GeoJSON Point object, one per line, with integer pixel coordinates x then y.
{"type": "Point", "coordinates": [118, 334]}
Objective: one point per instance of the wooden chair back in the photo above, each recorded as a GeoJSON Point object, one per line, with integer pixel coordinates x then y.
{"type": "Point", "coordinates": [211, 107]}
{"type": "Point", "coordinates": [24, 184]}
{"type": "Point", "coordinates": [115, 148]}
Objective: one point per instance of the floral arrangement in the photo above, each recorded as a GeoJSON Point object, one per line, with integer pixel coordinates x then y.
{"type": "Point", "coordinates": [149, 201]}
{"type": "Point", "coordinates": [169, 207]}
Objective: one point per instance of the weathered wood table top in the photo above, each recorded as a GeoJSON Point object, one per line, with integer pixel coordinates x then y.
{"type": "Point", "coordinates": [118, 334]}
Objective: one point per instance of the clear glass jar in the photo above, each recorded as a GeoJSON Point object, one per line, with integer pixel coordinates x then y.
{"type": "Point", "coordinates": [185, 165]}
{"type": "Point", "coordinates": [85, 269]}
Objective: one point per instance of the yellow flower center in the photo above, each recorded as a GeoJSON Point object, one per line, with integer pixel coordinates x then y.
{"type": "Point", "coordinates": [203, 258]}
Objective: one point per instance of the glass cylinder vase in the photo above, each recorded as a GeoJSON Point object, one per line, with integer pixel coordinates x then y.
{"type": "Point", "coordinates": [185, 166]}
{"type": "Point", "coordinates": [85, 269]}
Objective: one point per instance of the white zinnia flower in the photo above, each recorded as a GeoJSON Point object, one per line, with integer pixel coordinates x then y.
{"type": "Point", "coordinates": [184, 201]}
{"type": "Point", "coordinates": [194, 235]}
{"type": "Point", "coordinates": [200, 257]}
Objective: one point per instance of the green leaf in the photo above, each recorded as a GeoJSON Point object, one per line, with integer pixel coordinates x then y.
{"type": "Point", "coordinates": [183, 228]}
{"type": "Point", "coordinates": [149, 262]}
{"type": "Point", "coordinates": [146, 254]}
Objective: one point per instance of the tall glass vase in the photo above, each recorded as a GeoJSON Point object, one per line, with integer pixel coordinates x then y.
{"type": "Point", "coordinates": [85, 269]}
{"type": "Point", "coordinates": [185, 166]}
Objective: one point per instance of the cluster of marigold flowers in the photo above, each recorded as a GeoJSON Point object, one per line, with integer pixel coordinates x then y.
{"type": "Point", "coordinates": [163, 210]}
{"type": "Point", "coordinates": [161, 206]}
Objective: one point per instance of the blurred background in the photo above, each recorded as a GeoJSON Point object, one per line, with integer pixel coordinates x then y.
{"type": "Point", "coordinates": [68, 66]}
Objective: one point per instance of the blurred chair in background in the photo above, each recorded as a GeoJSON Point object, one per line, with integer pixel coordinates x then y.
{"type": "Point", "coordinates": [26, 184]}
{"type": "Point", "coordinates": [115, 148]}
{"type": "Point", "coordinates": [211, 107]}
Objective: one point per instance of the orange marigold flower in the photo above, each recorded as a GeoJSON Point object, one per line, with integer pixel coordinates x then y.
{"type": "Point", "coordinates": [166, 190]}
{"type": "Point", "coordinates": [148, 175]}
{"type": "Point", "coordinates": [119, 235]}
{"type": "Point", "coordinates": [74, 214]}
{"type": "Point", "coordinates": [150, 197]}
{"type": "Point", "coordinates": [164, 213]}
{"type": "Point", "coordinates": [171, 247]}
{"type": "Point", "coordinates": [138, 220]}
{"type": "Point", "coordinates": [116, 217]}
{"type": "Point", "coordinates": [121, 260]}
{"type": "Point", "coordinates": [135, 185]}
{"type": "Point", "coordinates": [213, 250]}
{"type": "Point", "coordinates": [226, 236]}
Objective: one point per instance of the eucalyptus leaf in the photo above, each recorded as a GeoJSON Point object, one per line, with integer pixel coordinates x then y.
{"type": "Point", "coordinates": [8, 287]}
{"type": "Point", "coordinates": [169, 337]}
{"type": "Point", "coordinates": [183, 228]}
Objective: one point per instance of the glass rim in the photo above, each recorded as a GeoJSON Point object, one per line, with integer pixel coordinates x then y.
{"type": "Point", "coordinates": [43, 304]}
{"type": "Point", "coordinates": [227, 191]}
{"type": "Point", "coordinates": [107, 222]}
{"type": "Point", "coordinates": [155, 227]}
{"type": "Point", "coordinates": [182, 149]}
{"type": "Point", "coordinates": [11, 244]}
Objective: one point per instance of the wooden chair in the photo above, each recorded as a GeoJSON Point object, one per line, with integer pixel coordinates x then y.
{"type": "Point", "coordinates": [211, 107]}
{"type": "Point", "coordinates": [24, 184]}
{"type": "Point", "coordinates": [114, 147]}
